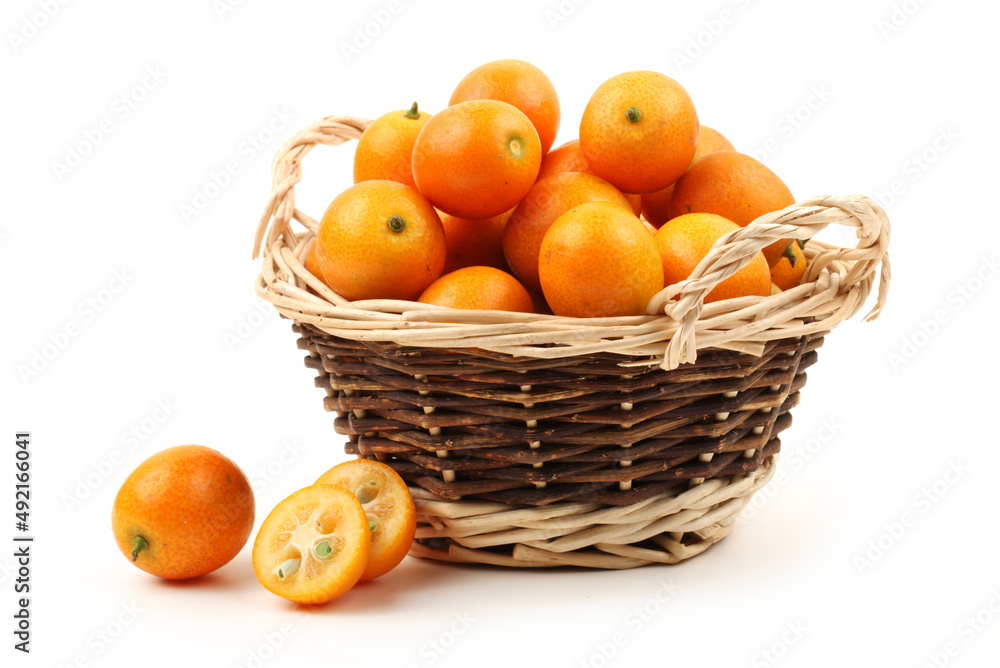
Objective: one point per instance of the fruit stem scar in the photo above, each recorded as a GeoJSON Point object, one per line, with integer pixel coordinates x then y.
{"type": "Point", "coordinates": [633, 115]}
{"type": "Point", "coordinates": [397, 224]}
{"type": "Point", "coordinates": [515, 145]}
{"type": "Point", "coordinates": [138, 545]}
{"type": "Point", "coordinates": [412, 113]}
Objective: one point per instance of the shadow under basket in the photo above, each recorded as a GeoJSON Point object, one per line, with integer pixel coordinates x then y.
{"type": "Point", "coordinates": [543, 440]}
{"type": "Point", "coordinates": [576, 461]}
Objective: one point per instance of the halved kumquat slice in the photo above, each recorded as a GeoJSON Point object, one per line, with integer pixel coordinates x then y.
{"type": "Point", "coordinates": [313, 546]}
{"type": "Point", "coordinates": [392, 518]}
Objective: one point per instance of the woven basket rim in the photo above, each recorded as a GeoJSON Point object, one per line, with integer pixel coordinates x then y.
{"type": "Point", "coordinates": [677, 323]}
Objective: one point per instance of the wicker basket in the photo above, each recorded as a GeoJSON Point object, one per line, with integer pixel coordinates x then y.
{"type": "Point", "coordinates": [533, 440]}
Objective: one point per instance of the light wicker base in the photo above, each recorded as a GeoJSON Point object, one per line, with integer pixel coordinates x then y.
{"type": "Point", "coordinates": [664, 529]}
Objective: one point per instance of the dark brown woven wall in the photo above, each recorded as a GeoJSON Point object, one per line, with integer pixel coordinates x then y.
{"type": "Point", "coordinates": [474, 424]}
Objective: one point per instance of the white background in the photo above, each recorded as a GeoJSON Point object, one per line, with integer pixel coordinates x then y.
{"type": "Point", "coordinates": [865, 550]}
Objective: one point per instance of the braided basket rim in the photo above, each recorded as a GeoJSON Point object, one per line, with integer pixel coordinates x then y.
{"type": "Point", "coordinates": [676, 325]}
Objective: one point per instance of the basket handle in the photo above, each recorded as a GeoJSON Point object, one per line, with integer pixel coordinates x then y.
{"type": "Point", "coordinates": [286, 173]}
{"type": "Point", "coordinates": [684, 301]}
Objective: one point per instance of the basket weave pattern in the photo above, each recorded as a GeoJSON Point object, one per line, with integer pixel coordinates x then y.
{"type": "Point", "coordinates": [534, 440]}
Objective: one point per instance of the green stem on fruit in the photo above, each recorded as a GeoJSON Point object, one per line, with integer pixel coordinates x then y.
{"type": "Point", "coordinates": [802, 243]}
{"type": "Point", "coordinates": [397, 224]}
{"type": "Point", "coordinates": [790, 254]}
{"type": "Point", "coordinates": [633, 115]}
{"type": "Point", "coordinates": [138, 545]}
{"type": "Point", "coordinates": [412, 113]}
